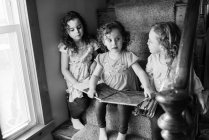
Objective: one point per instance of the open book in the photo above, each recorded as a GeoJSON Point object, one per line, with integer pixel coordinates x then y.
{"type": "Point", "coordinates": [110, 95]}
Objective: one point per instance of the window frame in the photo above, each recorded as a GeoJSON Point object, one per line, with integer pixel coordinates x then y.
{"type": "Point", "coordinates": [29, 19]}
{"type": "Point", "coordinates": [39, 60]}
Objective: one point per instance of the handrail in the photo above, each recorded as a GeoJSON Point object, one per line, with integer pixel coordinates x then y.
{"type": "Point", "coordinates": [206, 73]}
{"type": "Point", "coordinates": [186, 44]}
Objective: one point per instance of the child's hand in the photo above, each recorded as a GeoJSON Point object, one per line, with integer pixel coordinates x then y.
{"type": "Point", "coordinates": [202, 103]}
{"type": "Point", "coordinates": [72, 82]}
{"type": "Point", "coordinates": [149, 93]}
{"type": "Point", "coordinates": [91, 93]}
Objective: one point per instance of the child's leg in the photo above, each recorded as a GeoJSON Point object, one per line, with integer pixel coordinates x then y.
{"type": "Point", "coordinates": [102, 134]}
{"type": "Point", "coordinates": [156, 131]}
{"type": "Point", "coordinates": [124, 115]}
{"type": "Point", "coordinates": [77, 108]}
{"type": "Point", "coordinates": [121, 136]}
{"type": "Point", "coordinates": [77, 124]}
{"type": "Point", "coordinates": [100, 114]}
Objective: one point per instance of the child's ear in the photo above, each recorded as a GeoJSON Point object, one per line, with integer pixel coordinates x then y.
{"type": "Point", "coordinates": [103, 39]}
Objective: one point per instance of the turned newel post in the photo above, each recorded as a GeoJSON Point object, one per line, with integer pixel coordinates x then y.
{"type": "Point", "coordinates": [174, 101]}
{"type": "Point", "coordinates": [172, 122]}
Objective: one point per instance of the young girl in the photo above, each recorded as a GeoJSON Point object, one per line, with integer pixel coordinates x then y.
{"type": "Point", "coordinates": [116, 68]}
{"type": "Point", "coordinates": [77, 51]}
{"type": "Point", "coordinates": [163, 43]}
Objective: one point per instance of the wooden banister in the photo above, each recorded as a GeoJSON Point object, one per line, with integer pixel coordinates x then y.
{"type": "Point", "coordinates": [175, 101]}
{"type": "Point", "coordinates": [186, 44]}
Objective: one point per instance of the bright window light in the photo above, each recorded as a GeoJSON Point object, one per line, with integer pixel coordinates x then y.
{"type": "Point", "coordinates": [16, 105]}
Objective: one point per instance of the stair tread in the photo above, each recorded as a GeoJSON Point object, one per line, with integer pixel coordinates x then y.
{"type": "Point", "coordinates": [91, 132]}
{"type": "Point", "coordinates": [64, 131]}
{"type": "Point", "coordinates": [138, 125]}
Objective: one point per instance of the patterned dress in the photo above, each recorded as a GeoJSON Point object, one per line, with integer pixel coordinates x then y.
{"type": "Point", "coordinates": [79, 64]}
{"type": "Point", "coordinates": [118, 74]}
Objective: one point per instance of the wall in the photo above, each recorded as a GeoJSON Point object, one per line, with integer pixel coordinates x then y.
{"type": "Point", "coordinates": [49, 13]}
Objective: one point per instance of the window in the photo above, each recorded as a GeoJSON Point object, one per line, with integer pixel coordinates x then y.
{"type": "Point", "coordinates": [20, 102]}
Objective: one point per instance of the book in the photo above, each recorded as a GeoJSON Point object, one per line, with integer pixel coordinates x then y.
{"type": "Point", "coordinates": [109, 95]}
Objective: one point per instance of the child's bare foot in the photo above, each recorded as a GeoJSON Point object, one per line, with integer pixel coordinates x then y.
{"type": "Point", "coordinates": [77, 124]}
{"type": "Point", "coordinates": [121, 136]}
{"type": "Point", "coordinates": [102, 134]}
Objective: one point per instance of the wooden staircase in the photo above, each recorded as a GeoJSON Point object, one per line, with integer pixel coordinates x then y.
{"type": "Point", "coordinates": [139, 127]}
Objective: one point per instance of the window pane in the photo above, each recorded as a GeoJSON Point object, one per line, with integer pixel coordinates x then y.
{"type": "Point", "coordinates": [14, 111]}
{"type": "Point", "coordinates": [8, 12]}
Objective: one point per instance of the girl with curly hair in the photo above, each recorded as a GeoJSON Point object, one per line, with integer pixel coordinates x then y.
{"type": "Point", "coordinates": [163, 43]}
{"type": "Point", "coordinates": [77, 51]}
{"type": "Point", "coordinates": [117, 68]}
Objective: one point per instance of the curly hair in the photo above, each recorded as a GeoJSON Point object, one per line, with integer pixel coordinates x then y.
{"type": "Point", "coordinates": [169, 36]}
{"type": "Point", "coordinates": [65, 38]}
{"type": "Point", "coordinates": [107, 28]}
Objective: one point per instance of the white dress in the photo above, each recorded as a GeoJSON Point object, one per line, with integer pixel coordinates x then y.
{"type": "Point", "coordinates": [162, 77]}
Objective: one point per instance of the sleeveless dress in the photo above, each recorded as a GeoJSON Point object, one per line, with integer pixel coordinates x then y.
{"type": "Point", "coordinates": [79, 64]}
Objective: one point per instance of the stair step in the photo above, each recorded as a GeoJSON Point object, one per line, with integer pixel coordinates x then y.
{"type": "Point", "coordinates": [64, 132]}
{"type": "Point", "coordinates": [138, 125]}
{"type": "Point", "coordinates": [91, 132]}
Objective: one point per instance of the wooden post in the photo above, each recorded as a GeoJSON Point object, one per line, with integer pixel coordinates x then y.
{"type": "Point", "coordinates": [172, 123]}
{"type": "Point", "coordinates": [174, 101]}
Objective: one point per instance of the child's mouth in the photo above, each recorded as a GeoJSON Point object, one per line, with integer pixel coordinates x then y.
{"type": "Point", "coordinates": [115, 48]}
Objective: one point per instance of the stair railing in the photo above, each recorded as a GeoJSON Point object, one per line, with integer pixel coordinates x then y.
{"type": "Point", "coordinates": [174, 101]}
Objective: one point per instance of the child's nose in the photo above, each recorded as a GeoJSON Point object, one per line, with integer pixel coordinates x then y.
{"type": "Point", "coordinates": [77, 30]}
{"type": "Point", "coordinates": [114, 43]}
{"type": "Point", "coordinates": [148, 42]}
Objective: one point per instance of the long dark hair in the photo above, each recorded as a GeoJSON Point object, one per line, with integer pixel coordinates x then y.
{"type": "Point", "coordinates": [65, 38]}
{"type": "Point", "coordinates": [169, 36]}
{"type": "Point", "coordinates": [107, 28]}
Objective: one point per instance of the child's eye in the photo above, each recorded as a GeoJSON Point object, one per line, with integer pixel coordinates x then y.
{"type": "Point", "coordinates": [69, 29]}
{"type": "Point", "coordinates": [110, 40]}
{"type": "Point", "coordinates": [79, 27]}
{"type": "Point", "coordinates": [117, 39]}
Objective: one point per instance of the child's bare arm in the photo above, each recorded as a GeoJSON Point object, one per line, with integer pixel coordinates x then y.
{"type": "Point", "coordinates": [92, 67]}
{"type": "Point", "coordinates": [93, 81]}
{"type": "Point", "coordinates": [65, 69]}
{"type": "Point", "coordinates": [148, 90]}
{"type": "Point", "coordinates": [199, 91]}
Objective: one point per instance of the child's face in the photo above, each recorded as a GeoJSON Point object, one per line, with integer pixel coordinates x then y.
{"type": "Point", "coordinates": [153, 43]}
{"type": "Point", "coordinates": [113, 41]}
{"type": "Point", "coordinates": [75, 29]}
